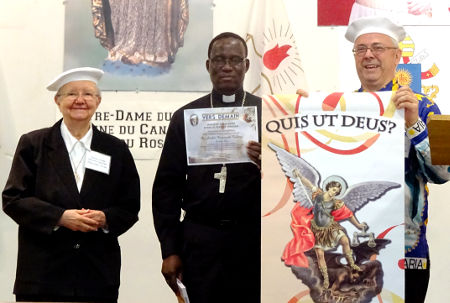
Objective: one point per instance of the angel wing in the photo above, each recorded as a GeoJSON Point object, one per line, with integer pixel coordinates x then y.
{"type": "Point", "coordinates": [360, 194]}
{"type": "Point", "coordinates": [290, 164]}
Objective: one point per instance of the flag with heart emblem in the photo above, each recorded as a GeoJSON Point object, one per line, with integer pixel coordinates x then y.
{"type": "Point", "coordinates": [275, 65]}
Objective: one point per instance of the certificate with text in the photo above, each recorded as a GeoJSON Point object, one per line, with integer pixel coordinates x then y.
{"type": "Point", "coordinates": [219, 135]}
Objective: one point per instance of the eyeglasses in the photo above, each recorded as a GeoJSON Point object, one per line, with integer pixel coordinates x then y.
{"type": "Point", "coordinates": [88, 96]}
{"type": "Point", "coordinates": [220, 61]}
{"type": "Point", "coordinates": [376, 50]}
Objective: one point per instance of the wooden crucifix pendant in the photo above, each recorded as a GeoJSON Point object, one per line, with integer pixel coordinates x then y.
{"type": "Point", "coordinates": [222, 177]}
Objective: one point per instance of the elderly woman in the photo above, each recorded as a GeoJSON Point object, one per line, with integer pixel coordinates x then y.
{"type": "Point", "coordinates": [73, 191]}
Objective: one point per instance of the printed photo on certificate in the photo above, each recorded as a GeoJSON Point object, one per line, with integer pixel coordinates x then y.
{"type": "Point", "coordinates": [219, 135]}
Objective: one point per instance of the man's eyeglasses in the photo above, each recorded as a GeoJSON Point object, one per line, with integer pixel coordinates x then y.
{"type": "Point", "coordinates": [74, 95]}
{"type": "Point", "coordinates": [376, 50]}
{"type": "Point", "coordinates": [220, 61]}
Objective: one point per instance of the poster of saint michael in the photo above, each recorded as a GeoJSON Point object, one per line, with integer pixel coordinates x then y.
{"type": "Point", "coordinates": [332, 198]}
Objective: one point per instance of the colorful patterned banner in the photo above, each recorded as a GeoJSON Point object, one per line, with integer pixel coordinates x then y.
{"type": "Point", "coordinates": [333, 201]}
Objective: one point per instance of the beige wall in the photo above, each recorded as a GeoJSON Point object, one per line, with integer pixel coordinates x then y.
{"type": "Point", "coordinates": [31, 53]}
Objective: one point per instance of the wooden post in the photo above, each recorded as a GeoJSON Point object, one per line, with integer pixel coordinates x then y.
{"type": "Point", "coordinates": [439, 136]}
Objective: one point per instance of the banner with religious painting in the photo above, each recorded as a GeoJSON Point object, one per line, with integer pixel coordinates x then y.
{"type": "Point", "coordinates": [332, 198]}
{"type": "Point", "coordinates": [147, 45]}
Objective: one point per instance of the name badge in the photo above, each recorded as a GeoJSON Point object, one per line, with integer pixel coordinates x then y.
{"type": "Point", "coordinates": [98, 162]}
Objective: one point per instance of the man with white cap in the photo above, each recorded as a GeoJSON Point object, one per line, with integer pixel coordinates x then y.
{"type": "Point", "coordinates": [72, 190]}
{"type": "Point", "coordinates": [377, 55]}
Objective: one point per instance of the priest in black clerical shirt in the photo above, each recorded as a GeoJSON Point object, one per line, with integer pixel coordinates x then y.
{"type": "Point", "coordinates": [214, 248]}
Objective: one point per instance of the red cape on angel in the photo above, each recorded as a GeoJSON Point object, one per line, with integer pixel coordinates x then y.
{"type": "Point", "coordinates": [303, 240]}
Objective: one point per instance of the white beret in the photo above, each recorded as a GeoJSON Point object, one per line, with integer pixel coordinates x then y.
{"type": "Point", "coordinates": [75, 74]}
{"type": "Point", "coordinates": [368, 25]}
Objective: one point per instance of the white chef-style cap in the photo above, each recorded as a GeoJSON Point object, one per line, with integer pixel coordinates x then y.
{"type": "Point", "coordinates": [75, 74]}
{"type": "Point", "coordinates": [375, 24]}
